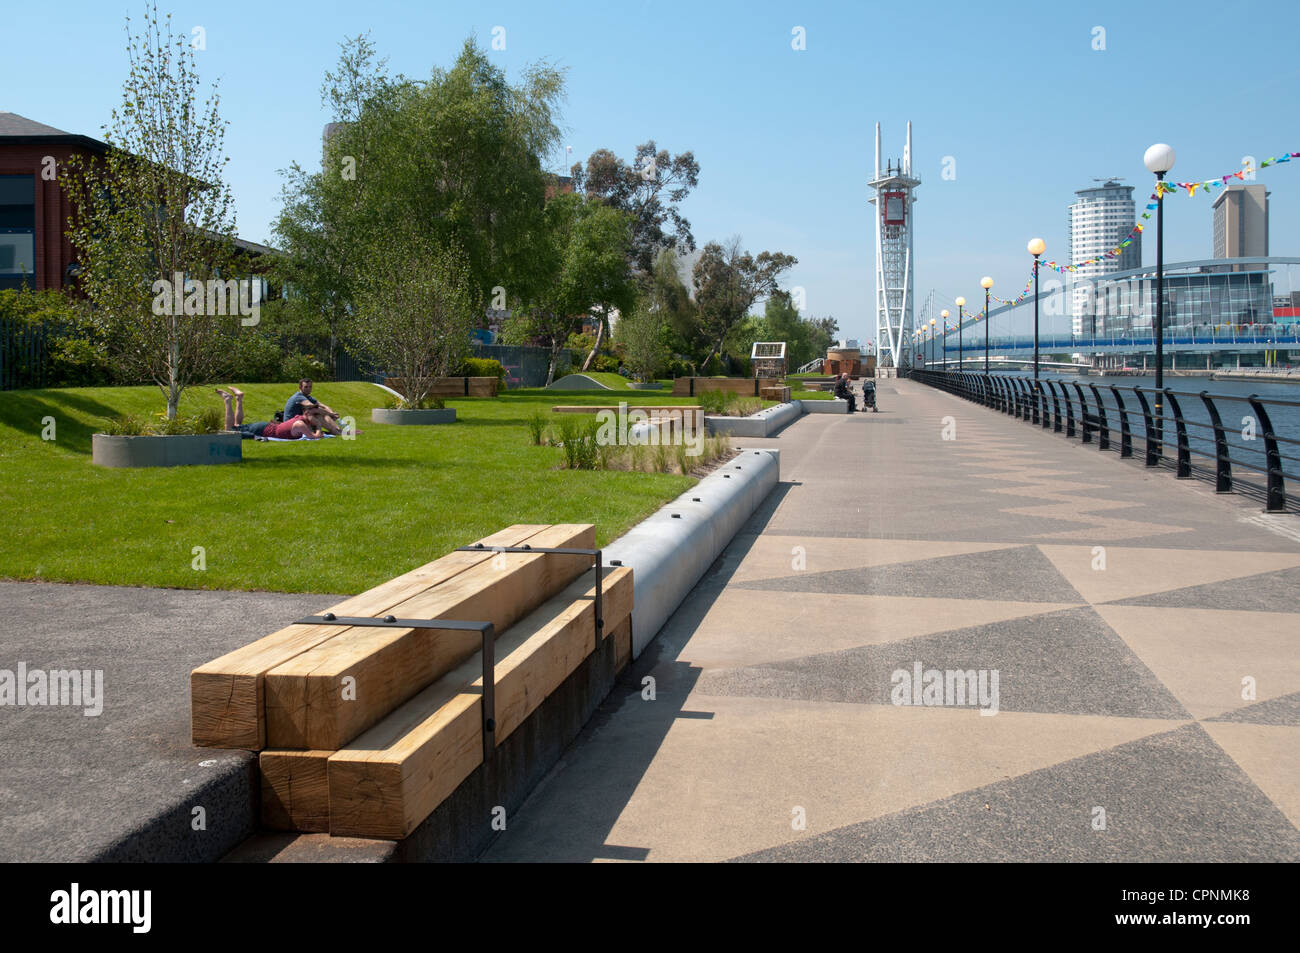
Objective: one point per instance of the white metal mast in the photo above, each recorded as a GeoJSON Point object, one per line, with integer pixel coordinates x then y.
{"type": "Point", "coordinates": [894, 198]}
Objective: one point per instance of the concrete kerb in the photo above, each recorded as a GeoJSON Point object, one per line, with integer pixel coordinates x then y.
{"type": "Point", "coordinates": [670, 551]}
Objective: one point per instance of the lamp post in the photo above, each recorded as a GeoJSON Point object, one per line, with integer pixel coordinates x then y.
{"type": "Point", "coordinates": [986, 283]}
{"type": "Point", "coordinates": [961, 350]}
{"type": "Point", "coordinates": [1036, 248]}
{"type": "Point", "coordinates": [944, 314]}
{"type": "Point", "coordinates": [932, 342]}
{"type": "Point", "coordinates": [1160, 159]}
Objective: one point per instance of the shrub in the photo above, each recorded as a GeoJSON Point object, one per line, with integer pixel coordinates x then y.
{"type": "Point", "coordinates": [256, 358]}
{"type": "Point", "coordinates": [712, 401]}
{"type": "Point", "coordinates": [537, 426]}
{"type": "Point", "coordinates": [52, 341]}
{"type": "Point", "coordinates": [209, 420]}
{"type": "Point", "coordinates": [77, 362]}
{"type": "Point", "coordinates": [127, 425]}
{"type": "Point", "coordinates": [607, 453]}
{"type": "Point", "coordinates": [482, 367]}
{"type": "Point", "coordinates": [566, 428]}
{"type": "Point", "coordinates": [587, 452]}
{"type": "Point", "coordinates": [605, 363]}
{"type": "Point", "coordinates": [713, 367]}
{"type": "Point", "coordinates": [683, 458]}
{"type": "Point", "coordinates": [298, 366]}
{"type": "Point", "coordinates": [661, 457]}
{"type": "Point", "coordinates": [397, 402]}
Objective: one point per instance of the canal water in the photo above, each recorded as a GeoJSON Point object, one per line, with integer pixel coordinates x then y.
{"type": "Point", "coordinates": [1244, 432]}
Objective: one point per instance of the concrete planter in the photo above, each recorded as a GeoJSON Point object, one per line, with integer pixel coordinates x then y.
{"type": "Point", "coordinates": [384, 415]}
{"type": "Point", "coordinates": [182, 450]}
{"type": "Point", "coordinates": [833, 406]}
{"type": "Point", "coordinates": [632, 385]}
{"type": "Point", "coordinates": [762, 424]}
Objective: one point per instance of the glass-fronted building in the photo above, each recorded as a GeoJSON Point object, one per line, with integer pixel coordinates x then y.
{"type": "Point", "coordinates": [1198, 294]}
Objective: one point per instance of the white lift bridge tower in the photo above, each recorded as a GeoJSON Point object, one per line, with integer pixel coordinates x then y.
{"type": "Point", "coordinates": [894, 185]}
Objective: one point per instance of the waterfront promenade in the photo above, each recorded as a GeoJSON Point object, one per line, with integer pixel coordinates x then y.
{"type": "Point", "coordinates": [1125, 614]}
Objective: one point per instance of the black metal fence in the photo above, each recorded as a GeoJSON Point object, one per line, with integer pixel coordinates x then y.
{"type": "Point", "coordinates": [1179, 430]}
{"type": "Point", "coordinates": [23, 359]}
{"type": "Point", "coordinates": [525, 366]}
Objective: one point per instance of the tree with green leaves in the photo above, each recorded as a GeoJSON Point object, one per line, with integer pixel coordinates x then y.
{"type": "Point", "coordinates": [415, 309]}
{"type": "Point", "coordinates": [822, 333]}
{"type": "Point", "coordinates": [459, 157]}
{"type": "Point", "coordinates": [650, 189]}
{"type": "Point", "coordinates": [155, 213]}
{"type": "Point", "coordinates": [323, 225]}
{"type": "Point", "coordinates": [583, 250]}
{"type": "Point", "coordinates": [728, 280]}
{"type": "Point", "coordinates": [640, 334]}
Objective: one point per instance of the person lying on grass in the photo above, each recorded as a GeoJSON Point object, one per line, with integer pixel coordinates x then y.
{"type": "Point", "coordinates": [310, 424]}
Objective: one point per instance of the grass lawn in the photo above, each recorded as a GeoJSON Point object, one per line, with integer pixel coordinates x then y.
{"type": "Point", "coordinates": [332, 516]}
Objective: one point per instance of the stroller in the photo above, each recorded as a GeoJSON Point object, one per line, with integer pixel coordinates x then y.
{"type": "Point", "coordinates": [869, 396]}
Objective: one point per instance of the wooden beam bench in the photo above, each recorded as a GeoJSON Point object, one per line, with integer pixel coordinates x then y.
{"type": "Point", "coordinates": [745, 386]}
{"type": "Point", "coordinates": [454, 386]}
{"type": "Point", "coordinates": [366, 721]}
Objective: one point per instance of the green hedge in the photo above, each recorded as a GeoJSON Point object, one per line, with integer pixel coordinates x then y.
{"type": "Point", "coordinates": [482, 367]}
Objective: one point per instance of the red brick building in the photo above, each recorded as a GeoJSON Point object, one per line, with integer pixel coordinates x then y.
{"type": "Point", "coordinates": [33, 209]}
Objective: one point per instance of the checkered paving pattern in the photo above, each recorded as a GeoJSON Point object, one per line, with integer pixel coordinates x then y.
{"type": "Point", "coordinates": [1129, 642]}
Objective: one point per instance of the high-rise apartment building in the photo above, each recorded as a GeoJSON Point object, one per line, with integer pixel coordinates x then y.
{"type": "Point", "coordinates": [1100, 218]}
{"type": "Point", "coordinates": [1241, 222]}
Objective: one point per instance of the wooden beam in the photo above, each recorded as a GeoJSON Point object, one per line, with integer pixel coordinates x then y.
{"type": "Point", "coordinates": [227, 694]}
{"type": "Point", "coordinates": [295, 795]}
{"type": "Point", "coordinates": [392, 777]}
{"type": "Point", "coordinates": [326, 696]}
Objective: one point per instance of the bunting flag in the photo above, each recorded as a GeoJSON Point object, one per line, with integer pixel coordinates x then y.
{"type": "Point", "coordinates": [1153, 202]}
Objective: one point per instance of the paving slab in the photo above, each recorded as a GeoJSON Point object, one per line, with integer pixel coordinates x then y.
{"type": "Point", "coordinates": [805, 701]}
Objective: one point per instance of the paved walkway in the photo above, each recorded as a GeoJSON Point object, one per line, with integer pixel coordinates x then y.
{"type": "Point", "coordinates": [1122, 610]}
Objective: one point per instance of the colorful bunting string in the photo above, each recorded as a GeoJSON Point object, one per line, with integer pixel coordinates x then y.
{"type": "Point", "coordinates": [1162, 187]}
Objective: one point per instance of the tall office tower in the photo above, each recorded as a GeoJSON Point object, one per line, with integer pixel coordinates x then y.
{"type": "Point", "coordinates": [1100, 219]}
{"type": "Point", "coordinates": [1241, 222]}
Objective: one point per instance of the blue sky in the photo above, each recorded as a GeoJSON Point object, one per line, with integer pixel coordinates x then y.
{"type": "Point", "coordinates": [1014, 92]}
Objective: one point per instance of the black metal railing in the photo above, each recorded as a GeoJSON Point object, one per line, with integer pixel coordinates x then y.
{"type": "Point", "coordinates": [1183, 431]}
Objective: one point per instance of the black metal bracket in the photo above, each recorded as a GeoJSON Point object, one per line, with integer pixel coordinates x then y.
{"type": "Point", "coordinates": [486, 629]}
{"type": "Point", "coordinates": [598, 565]}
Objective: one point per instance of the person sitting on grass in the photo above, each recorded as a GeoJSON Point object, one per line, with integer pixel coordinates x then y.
{"type": "Point", "coordinates": [310, 424]}
{"type": "Point", "coordinates": [295, 405]}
